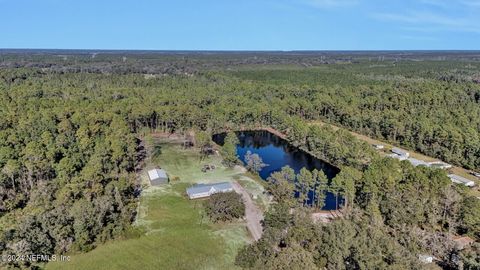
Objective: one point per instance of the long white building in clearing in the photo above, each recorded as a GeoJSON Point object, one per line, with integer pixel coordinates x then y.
{"type": "Point", "coordinates": [400, 152]}
{"type": "Point", "coordinates": [206, 190]}
{"type": "Point", "coordinates": [461, 180]}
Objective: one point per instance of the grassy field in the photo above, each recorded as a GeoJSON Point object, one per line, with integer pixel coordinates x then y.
{"type": "Point", "coordinates": [177, 234]}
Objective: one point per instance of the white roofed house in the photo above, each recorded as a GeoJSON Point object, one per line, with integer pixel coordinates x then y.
{"type": "Point", "coordinates": [400, 152]}
{"type": "Point", "coordinates": [440, 165]}
{"type": "Point", "coordinates": [397, 156]}
{"type": "Point", "coordinates": [417, 162]}
{"type": "Point", "coordinates": [207, 190]}
{"type": "Point", "coordinates": [158, 177]}
{"type": "Point", "coordinates": [461, 180]}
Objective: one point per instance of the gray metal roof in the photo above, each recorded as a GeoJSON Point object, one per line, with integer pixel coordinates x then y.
{"type": "Point", "coordinates": [157, 173]}
{"type": "Point", "coordinates": [417, 162]}
{"type": "Point", "coordinates": [461, 180]}
{"type": "Point", "coordinates": [202, 188]}
{"type": "Point", "coordinates": [397, 156]}
{"type": "Point", "coordinates": [399, 151]}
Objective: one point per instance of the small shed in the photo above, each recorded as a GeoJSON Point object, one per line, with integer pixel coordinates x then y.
{"type": "Point", "coordinates": [158, 177]}
{"type": "Point", "coordinates": [426, 259]}
{"type": "Point", "coordinates": [206, 190]}
{"type": "Point", "coordinates": [378, 146]}
{"type": "Point", "coordinates": [461, 180]}
{"type": "Point", "coordinates": [400, 152]}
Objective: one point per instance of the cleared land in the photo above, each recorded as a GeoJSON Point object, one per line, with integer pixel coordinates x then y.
{"type": "Point", "coordinates": [455, 169]}
{"type": "Point", "coordinates": [253, 214]}
{"type": "Point", "coordinates": [175, 232]}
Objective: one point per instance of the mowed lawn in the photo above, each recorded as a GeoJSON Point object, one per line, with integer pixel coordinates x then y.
{"type": "Point", "coordinates": [186, 164]}
{"type": "Point", "coordinates": [177, 233]}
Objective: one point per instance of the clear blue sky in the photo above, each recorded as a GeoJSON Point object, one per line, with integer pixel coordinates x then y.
{"type": "Point", "coordinates": [240, 24]}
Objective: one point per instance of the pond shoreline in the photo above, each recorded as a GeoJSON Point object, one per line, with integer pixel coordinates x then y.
{"type": "Point", "coordinates": [279, 152]}
{"type": "Point", "coordinates": [243, 129]}
{"type": "Point", "coordinates": [281, 136]}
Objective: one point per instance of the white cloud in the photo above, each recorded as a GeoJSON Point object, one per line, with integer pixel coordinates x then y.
{"type": "Point", "coordinates": [431, 21]}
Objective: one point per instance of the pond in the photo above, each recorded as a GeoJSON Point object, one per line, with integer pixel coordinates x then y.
{"type": "Point", "coordinates": [278, 153]}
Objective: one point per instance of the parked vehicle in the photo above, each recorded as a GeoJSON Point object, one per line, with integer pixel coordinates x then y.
{"type": "Point", "coordinates": [208, 167]}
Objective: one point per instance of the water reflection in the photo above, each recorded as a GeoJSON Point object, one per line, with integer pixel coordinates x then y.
{"type": "Point", "coordinates": [278, 153]}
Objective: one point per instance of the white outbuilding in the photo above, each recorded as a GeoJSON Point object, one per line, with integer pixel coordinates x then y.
{"type": "Point", "coordinates": [461, 180]}
{"type": "Point", "coordinates": [400, 152]}
{"type": "Point", "coordinates": [426, 259]}
{"type": "Point", "coordinates": [379, 146]}
{"type": "Point", "coordinates": [396, 156]}
{"type": "Point", "coordinates": [206, 190]}
{"type": "Point", "coordinates": [440, 165]}
{"type": "Point", "coordinates": [417, 162]}
{"type": "Point", "coordinates": [158, 177]}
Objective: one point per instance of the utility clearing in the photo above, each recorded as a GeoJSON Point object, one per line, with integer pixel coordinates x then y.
{"type": "Point", "coordinates": [455, 169]}
{"type": "Point", "coordinates": [173, 232]}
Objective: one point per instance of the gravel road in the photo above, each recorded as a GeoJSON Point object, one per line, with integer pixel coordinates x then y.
{"type": "Point", "coordinates": [252, 213]}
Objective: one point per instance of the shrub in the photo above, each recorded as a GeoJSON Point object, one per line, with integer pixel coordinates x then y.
{"type": "Point", "coordinates": [222, 207]}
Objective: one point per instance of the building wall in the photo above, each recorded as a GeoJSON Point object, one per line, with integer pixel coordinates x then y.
{"type": "Point", "coordinates": [159, 181]}
{"type": "Point", "coordinates": [207, 194]}
{"type": "Point", "coordinates": [200, 195]}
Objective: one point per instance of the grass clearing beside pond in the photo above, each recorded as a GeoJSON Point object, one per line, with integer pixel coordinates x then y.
{"type": "Point", "coordinates": [177, 233]}
{"type": "Point", "coordinates": [186, 164]}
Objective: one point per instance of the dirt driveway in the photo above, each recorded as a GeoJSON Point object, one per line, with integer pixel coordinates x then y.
{"type": "Point", "coordinates": [252, 213]}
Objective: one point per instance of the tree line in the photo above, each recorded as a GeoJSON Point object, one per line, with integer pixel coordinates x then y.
{"type": "Point", "coordinates": [393, 214]}
{"type": "Point", "coordinates": [69, 144]}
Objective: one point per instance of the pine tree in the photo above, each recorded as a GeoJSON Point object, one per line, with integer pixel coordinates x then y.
{"type": "Point", "coordinates": [304, 181]}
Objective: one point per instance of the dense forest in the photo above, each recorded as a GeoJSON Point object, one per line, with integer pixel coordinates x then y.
{"type": "Point", "coordinates": [395, 214]}
{"type": "Point", "coordinates": [429, 107]}
{"type": "Point", "coordinates": [71, 124]}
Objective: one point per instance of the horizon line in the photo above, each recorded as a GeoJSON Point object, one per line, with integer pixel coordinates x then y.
{"type": "Point", "coordinates": [246, 51]}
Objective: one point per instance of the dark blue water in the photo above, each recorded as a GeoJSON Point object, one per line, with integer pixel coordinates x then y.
{"type": "Point", "coordinates": [278, 153]}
